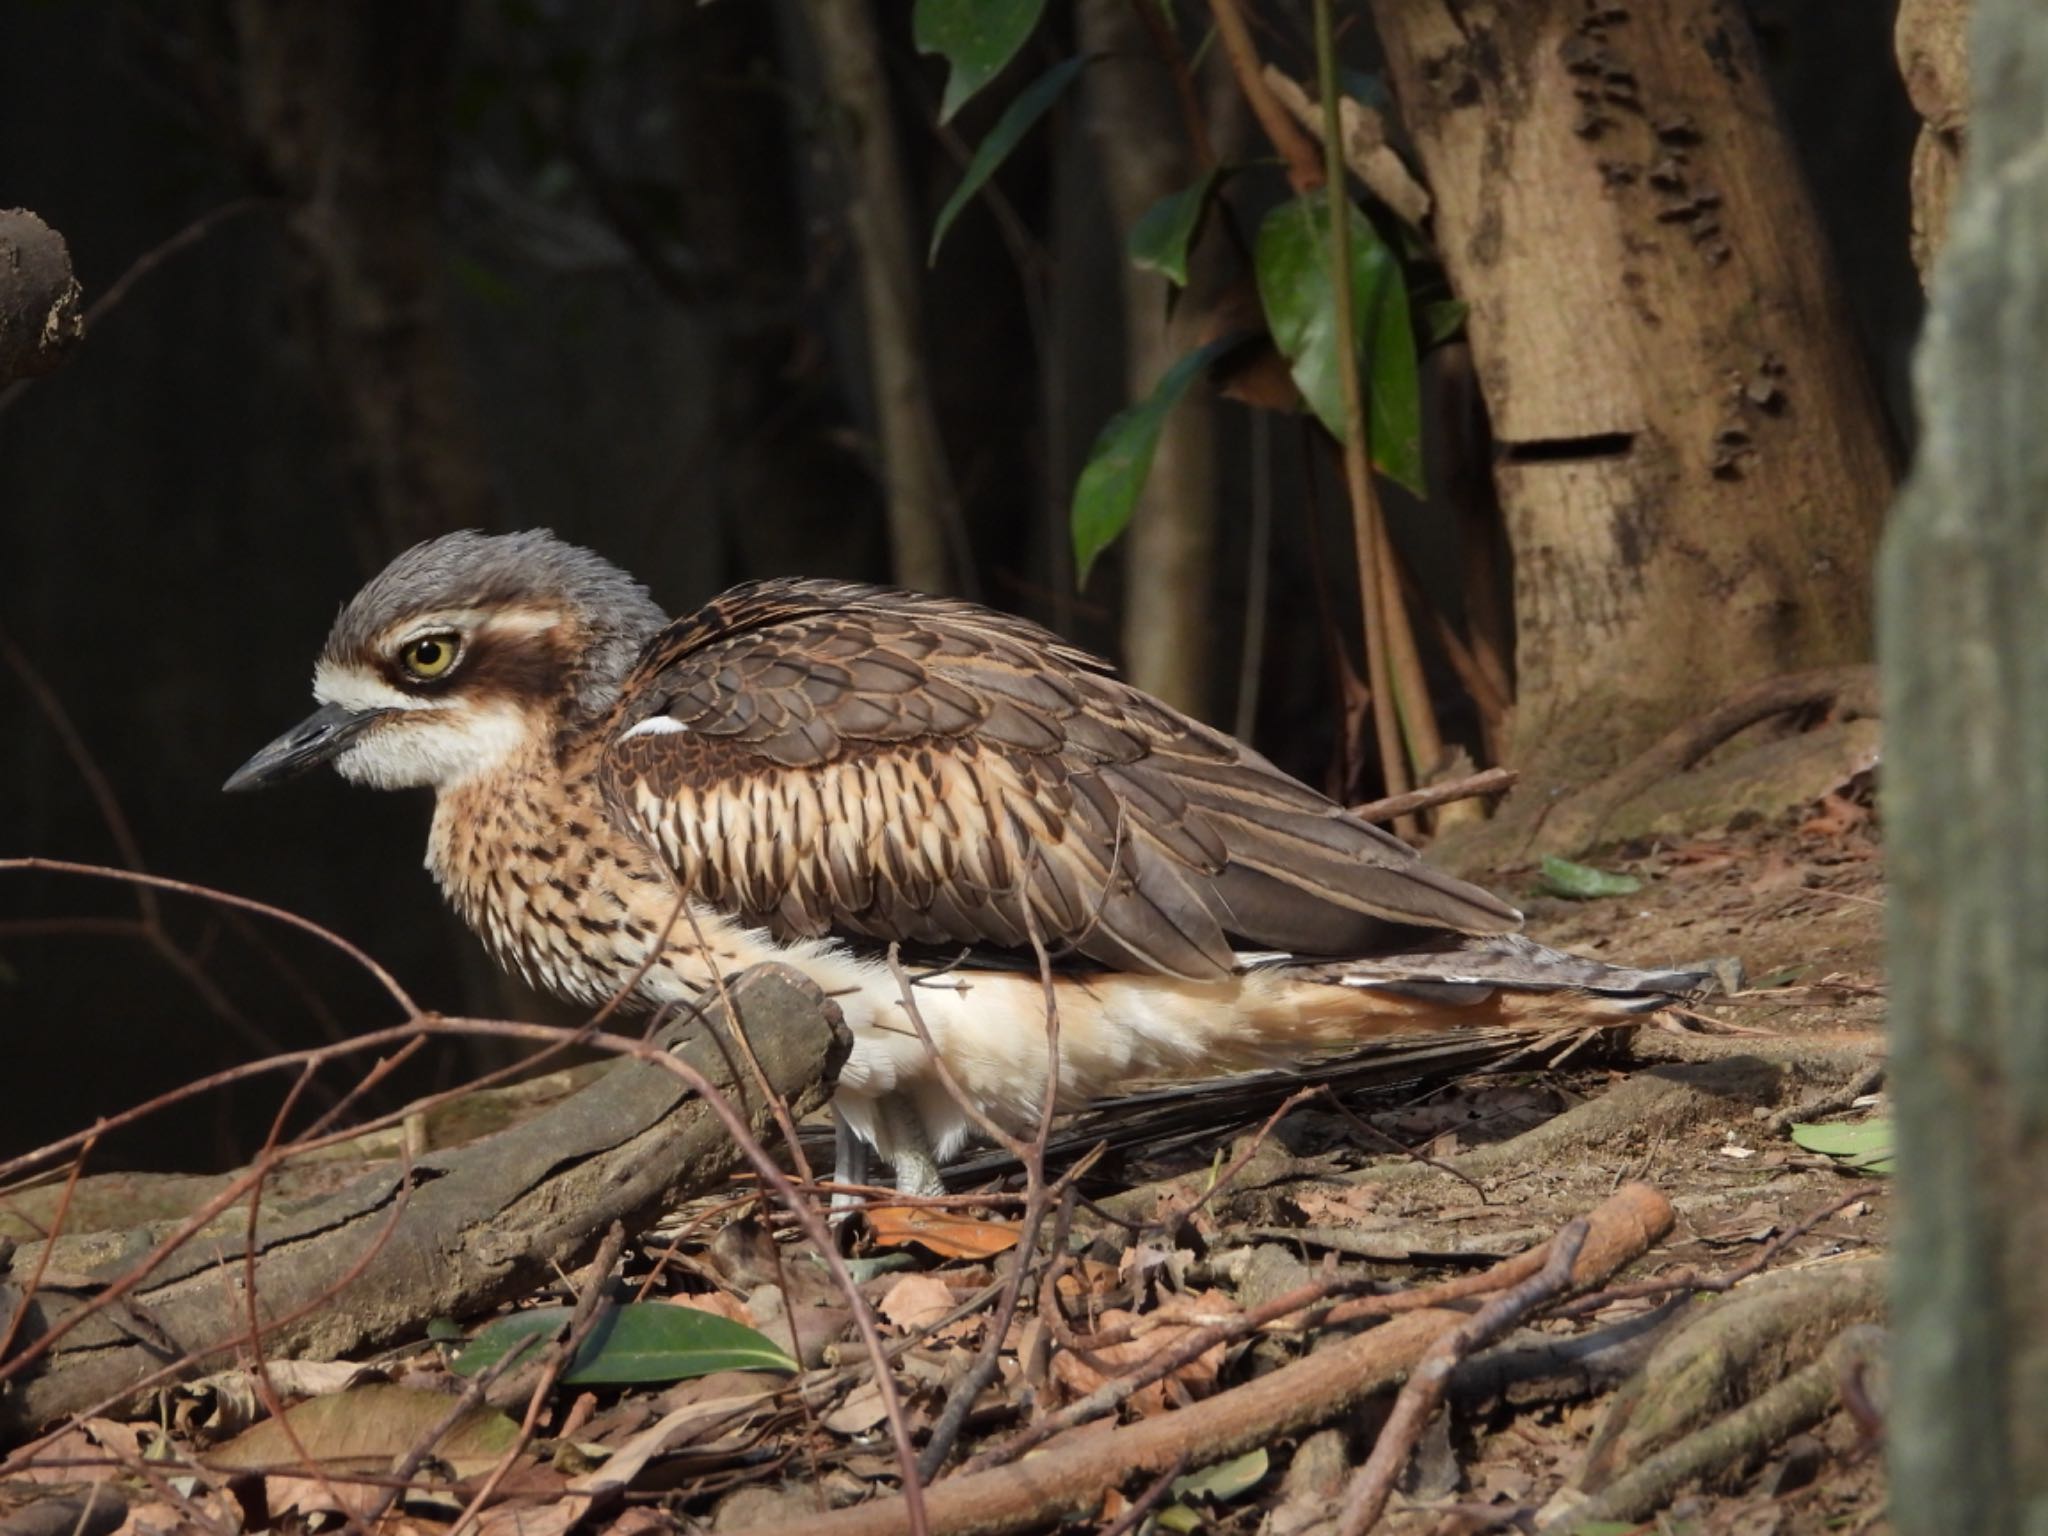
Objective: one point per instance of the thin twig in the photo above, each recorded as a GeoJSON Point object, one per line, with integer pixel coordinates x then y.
{"type": "Point", "coordinates": [1423, 1392]}
{"type": "Point", "coordinates": [1489, 781]}
{"type": "Point", "coordinates": [1304, 170]}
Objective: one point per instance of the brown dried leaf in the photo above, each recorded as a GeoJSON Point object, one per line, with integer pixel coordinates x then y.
{"type": "Point", "coordinates": [917, 1301]}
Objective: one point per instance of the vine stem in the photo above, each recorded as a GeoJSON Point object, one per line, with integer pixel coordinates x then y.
{"type": "Point", "coordinates": [1367, 534]}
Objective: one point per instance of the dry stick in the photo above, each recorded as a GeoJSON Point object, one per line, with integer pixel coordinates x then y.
{"type": "Point", "coordinates": [421, 1023]}
{"type": "Point", "coordinates": [141, 267]}
{"type": "Point", "coordinates": [1690, 1279]}
{"type": "Point", "coordinates": [1390, 710]}
{"type": "Point", "coordinates": [1155, 1494]}
{"type": "Point", "coordinates": [382, 977]}
{"type": "Point", "coordinates": [1069, 1478]}
{"type": "Point", "coordinates": [1113, 1394]}
{"type": "Point", "coordinates": [1488, 781]}
{"type": "Point", "coordinates": [960, 1402]}
{"type": "Point", "coordinates": [581, 1321]}
{"type": "Point", "coordinates": [1304, 171]}
{"type": "Point", "coordinates": [117, 1289]}
{"type": "Point", "coordinates": [1423, 1392]}
{"type": "Point", "coordinates": [35, 1279]}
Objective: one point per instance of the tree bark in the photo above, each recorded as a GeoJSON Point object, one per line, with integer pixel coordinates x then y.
{"type": "Point", "coordinates": [1170, 551]}
{"type": "Point", "coordinates": [921, 499]}
{"type": "Point", "coordinates": [1692, 459]}
{"type": "Point", "coordinates": [452, 1234]}
{"type": "Point", "coordinates": [1934, 59]}
{"type": "Point", "coordinates": [40, 319]}
{"type": "Point", "coordinates": [1964, 610]}
{"type": "Point", "coordinates": [344, 110]}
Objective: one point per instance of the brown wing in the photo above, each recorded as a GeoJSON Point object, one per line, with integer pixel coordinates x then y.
{"type": "Point", "coordinates": [820, 757]}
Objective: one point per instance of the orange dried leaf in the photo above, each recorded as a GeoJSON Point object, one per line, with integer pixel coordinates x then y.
{"type": "Point", "coordinates": [944, 1233]}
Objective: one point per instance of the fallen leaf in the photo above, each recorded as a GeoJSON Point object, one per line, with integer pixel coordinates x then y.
{"type": "Point", "coordinates": [945, 1233]}
{"type": "Point", "coordinates": [861, 1412]}
{"type": "Point", "coordinates": [917, 1301]}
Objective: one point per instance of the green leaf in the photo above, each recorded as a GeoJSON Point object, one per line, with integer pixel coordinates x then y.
{"type": "Point", "coordinates": [1163, 233]}
{"type": "Point", "coordinates": [1441, 320]}
{"type": "Point", "coordinates": [1107, 492]}
{"type": "Point", "coordinates": [1032, 103]}
{"type": "Point", "coordinates": [976, 37]}
{"type": "Point", "coordinates": [1582, 882]}
{"type": "Point", "coordinates": [1224, 1481]}
{"type": "Point", "coordinates": [638, 1341]}
{"type": "Point", "coordinates": [1293, 261]}
{"type": "Point", "coordinates": [1863, 1147]}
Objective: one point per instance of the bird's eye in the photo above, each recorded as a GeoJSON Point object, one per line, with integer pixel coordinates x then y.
{"type": "Point", "coordinates": [428, 657]}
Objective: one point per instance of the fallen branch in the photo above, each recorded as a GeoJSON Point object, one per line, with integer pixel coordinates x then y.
{"type": "Point", "coordinates": [467, 1229]}
{"type": "Point", "coordinates": [1423, 1392]}
{"type": "Point", "coordinates": [1069, 1479]}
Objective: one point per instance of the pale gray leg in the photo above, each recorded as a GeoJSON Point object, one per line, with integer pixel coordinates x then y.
{"type": "Point", "coordinates": [849, 1160]}
{"type": "Point", "coordinates": [910, 1150]}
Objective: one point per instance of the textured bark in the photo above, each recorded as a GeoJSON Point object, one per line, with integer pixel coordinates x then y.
{"type": "Point", "coordinates": [40, 319]}
{"type": "Point", "coordinates": [1964, 597]}
{"type": "Point", "coordinates": [1934, 59]}
{"type": "Point", "coordinates": [344, 110]}
{"type": "Point", "coordinates": [1692, 459]}
{"type": "Point", "coordinates": [1170, 551]}
{"type": "Point", "coordinates": [458, 1233]}
{"type": "Point", "coordinates": [922, 505]}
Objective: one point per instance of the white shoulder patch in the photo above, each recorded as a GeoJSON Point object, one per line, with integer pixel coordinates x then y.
{"type": "Point", "coordinates": [655, 725]}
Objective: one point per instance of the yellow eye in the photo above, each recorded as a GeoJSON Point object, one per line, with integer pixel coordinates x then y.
{"type": "Point", "coordinates": [428, 657]}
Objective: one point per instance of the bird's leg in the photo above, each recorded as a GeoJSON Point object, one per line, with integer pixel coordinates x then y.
{"type": "Point", "coordinates": [910, 1150]}
{"type": "Point", "coordinates": [849, 1161]}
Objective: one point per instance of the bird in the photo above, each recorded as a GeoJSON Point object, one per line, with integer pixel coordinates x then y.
{"type": "Point", "coordinates": [813, 770]}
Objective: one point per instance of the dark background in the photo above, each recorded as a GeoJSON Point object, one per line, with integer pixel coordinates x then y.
{"type": "Point", "coordinates": [181, 515]}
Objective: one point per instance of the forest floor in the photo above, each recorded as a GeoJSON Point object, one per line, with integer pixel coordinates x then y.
{"type": "Point", "coordinates": [1751, 1298]}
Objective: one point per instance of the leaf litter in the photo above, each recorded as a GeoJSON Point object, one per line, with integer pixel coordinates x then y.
{"type": "Point", "coordinates": [1140, 1269]}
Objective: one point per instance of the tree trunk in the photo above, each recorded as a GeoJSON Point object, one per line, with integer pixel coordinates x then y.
{"type": "Point", "coordinates": [1692, 459]}
{"type": "Point", "coordinates": [1171, 548]}
{"type": "Point", "coordinates": [1964, 606]}
{"type": "Point", "coordinates": [345, 111]}
{"type": "Point", "coordinates": [922, 505]}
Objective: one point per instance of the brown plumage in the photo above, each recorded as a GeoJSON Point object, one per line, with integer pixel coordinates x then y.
{"type": "Point", "coordinates": [857, 760]}
{"type": "Point", "coordinates": [809, 766]}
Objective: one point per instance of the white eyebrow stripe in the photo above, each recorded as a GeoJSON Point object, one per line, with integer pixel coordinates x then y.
{"type": "Point", "coordinates": [354, 689]}
{"type": "Point", "coordinates": [655, 725]}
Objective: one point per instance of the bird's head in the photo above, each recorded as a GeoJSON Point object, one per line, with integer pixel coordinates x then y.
{"type": "Point", "coordinates": [464, 650]}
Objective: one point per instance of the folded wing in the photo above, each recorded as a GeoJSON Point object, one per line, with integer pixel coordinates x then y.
{"type": "Point", "coordinates": [820, 757]}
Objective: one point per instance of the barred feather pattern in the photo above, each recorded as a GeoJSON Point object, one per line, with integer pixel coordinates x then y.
{"type": "Point", "coordinates": [819, 757]}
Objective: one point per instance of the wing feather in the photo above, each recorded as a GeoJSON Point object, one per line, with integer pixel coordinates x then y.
{"type": "Point", "coordinates": [848, 759]}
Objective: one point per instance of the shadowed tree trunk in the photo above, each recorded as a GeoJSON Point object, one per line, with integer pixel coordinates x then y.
{"type": "Point", "coordinates": [922, 505]}
{"type": "Point", "coordinates": [1170, 551]}
{"type": "Point", "coordinates": [1692, 459]}
{"type": "Point", "coordinates": [1964, 601]}
{"type": "Point", "coordinates": [344, 108]}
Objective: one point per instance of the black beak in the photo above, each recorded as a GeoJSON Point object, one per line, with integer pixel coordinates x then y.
{"type": "Point", "coordinates": [317, 739]}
